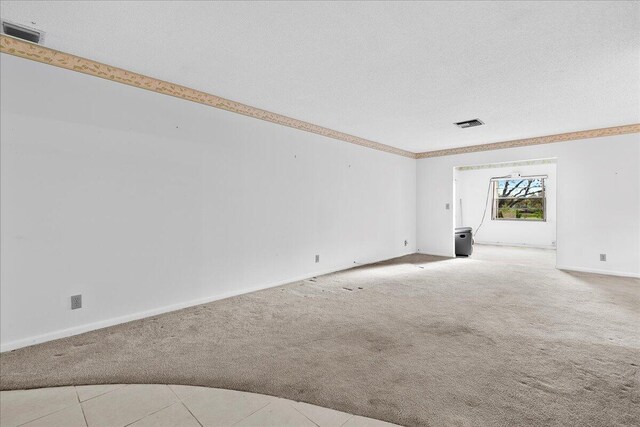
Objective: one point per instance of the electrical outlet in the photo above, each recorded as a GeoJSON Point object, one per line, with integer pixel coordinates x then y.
{"type": "Point", "coordinates": [603, 257]}
{"type": "Point", "coordinates": [317, 258]}
{"type": "Point", "coordinates": [76, 302]}
{"type": "Point", "coordinates": [447, 206]}
{"type": "Point", "coordinates": [406, 243]}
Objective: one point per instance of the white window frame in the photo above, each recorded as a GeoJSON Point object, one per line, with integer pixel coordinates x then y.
{"type": "Point", "coordinates": [496, 198]}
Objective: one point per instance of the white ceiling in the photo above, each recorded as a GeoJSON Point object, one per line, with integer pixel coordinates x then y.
{"type": "Point", "coordinates": [396, 73]}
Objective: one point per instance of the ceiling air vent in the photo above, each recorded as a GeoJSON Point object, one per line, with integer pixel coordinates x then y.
{"type": "Point", "coordinates": [469, 123]}
{"type": "Point", "coordinates": [21, 32]}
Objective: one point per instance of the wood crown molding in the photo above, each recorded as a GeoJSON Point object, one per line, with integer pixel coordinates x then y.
{"type": "Point", "coordinates": [45, 55]}
{"type": "Point", "coordinates": [561, 137]}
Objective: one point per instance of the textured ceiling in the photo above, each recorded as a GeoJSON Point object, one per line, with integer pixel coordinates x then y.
{"type": "Point", "coordinates": [397, 73]}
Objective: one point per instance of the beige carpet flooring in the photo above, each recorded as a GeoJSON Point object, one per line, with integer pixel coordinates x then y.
{"type": "Point", "coordinates": [501, 338]}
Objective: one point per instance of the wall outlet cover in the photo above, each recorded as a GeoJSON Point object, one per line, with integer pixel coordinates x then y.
{"type": "Point", "coordinates": [76, 302]}
{"type": "Point", "coordinates": [603, 257]}
{"type": "Point", "coordinates": [317, 258]}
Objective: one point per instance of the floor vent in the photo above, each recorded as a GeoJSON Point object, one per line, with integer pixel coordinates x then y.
{"type": "Point", "coordinates": [469, 123]}
{"type": "Point", "coordinates": [21, 32]}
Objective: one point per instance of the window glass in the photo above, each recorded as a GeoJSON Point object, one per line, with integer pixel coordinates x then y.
{"type": "Point", "coordinates": [519, 199]}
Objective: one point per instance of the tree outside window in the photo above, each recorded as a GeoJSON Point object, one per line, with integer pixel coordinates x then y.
{"type": "Point", "coordinates": [519, 199]}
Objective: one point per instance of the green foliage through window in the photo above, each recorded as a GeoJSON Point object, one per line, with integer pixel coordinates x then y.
{"type": "Point", "coordinates": [519, 199]}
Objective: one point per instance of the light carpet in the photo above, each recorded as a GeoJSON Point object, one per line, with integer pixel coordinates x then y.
{"type": "Point", "coordinates": [501, 338]}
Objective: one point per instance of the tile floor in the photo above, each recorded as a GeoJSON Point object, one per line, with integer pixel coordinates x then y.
{"type": "Point", "coordinates": [156, 405]}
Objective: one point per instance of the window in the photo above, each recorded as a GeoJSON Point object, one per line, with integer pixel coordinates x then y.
{"type": "Point", "coordinates": [519, 199]}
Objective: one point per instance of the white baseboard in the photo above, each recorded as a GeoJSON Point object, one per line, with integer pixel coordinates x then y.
{"type": "Point", "coordinates": [518, 245]}
{"type": "Point", "coordinates": [76, 330]}
{"type": "Point", "coordinates": [436, 254]}
{"type": "Point", "coordinates": [597, 271]}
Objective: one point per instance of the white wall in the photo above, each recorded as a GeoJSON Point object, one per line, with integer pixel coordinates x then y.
{"type": "Point", "coordinates": [598, 200]}
{"type": "Point", "coordinates": [471, 187]}
{"type": "Point", "coordinates": [144, 203]}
